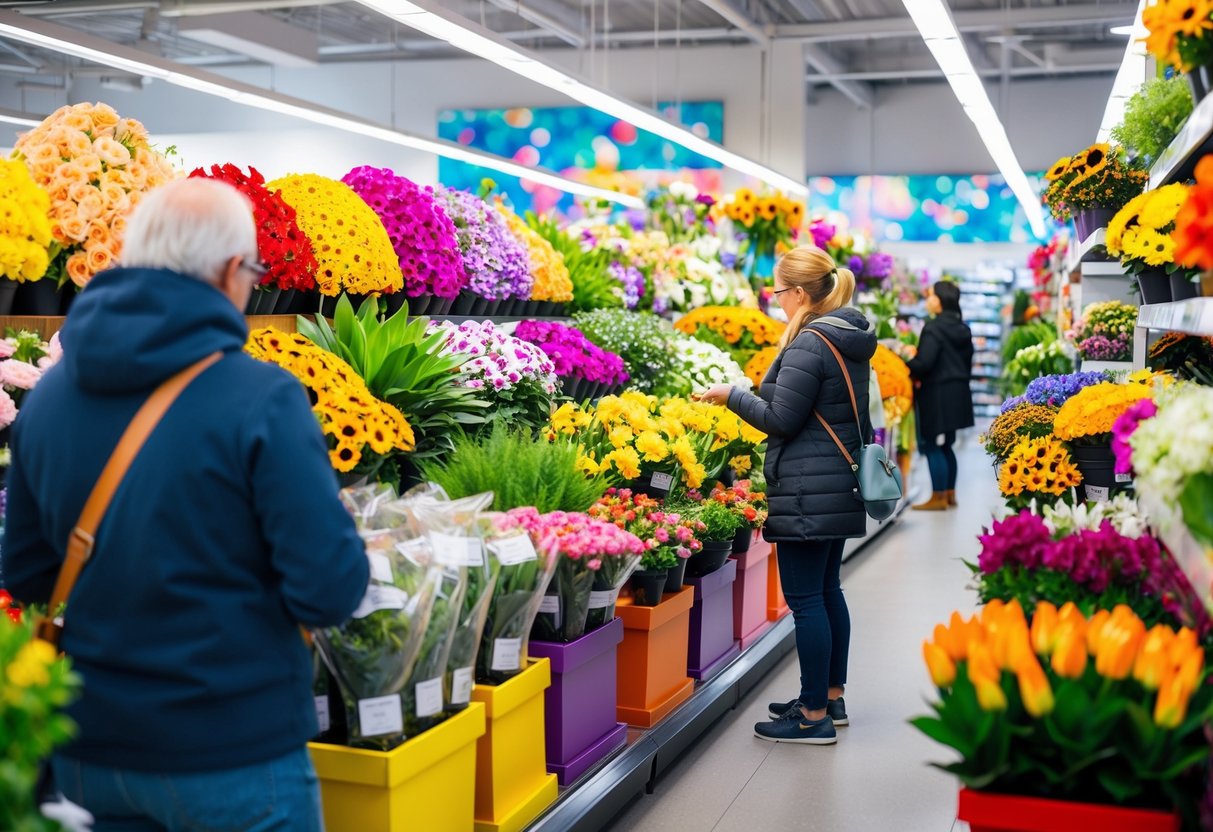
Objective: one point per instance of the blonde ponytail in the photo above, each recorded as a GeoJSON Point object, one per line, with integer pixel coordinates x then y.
{"type": "Point", "coordinates": [828, 286]}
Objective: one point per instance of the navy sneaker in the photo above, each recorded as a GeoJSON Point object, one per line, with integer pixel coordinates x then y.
{"type": "Point", "coordinates": [836, 708]}
{"type": "Point", "coordinates": [800, 731]}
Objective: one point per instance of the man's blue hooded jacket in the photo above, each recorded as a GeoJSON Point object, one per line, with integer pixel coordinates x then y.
{"type": "Point", "coordinates": [225, 536]}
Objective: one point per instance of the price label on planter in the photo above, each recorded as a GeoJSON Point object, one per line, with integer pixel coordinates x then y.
{"type": "Point", "coordinates": [379, 597]}
{"type": "Point", "coordinates": [381, 567]}
{"type": "Point", "coordinates": [1124, 478]}
{"type": "Point", "coordinates": [461, 686]}
{"type": "Point", "coordinates": [322, 712]}
{"type": "Point", "coordinates": [662, 482]}
{"type": "Point", "coordinates": [551, 606]}
{"type": "Point", "coordinates": [507, 654]}
{"type": "Point", "coordinates": [429, 697]}
{"type": "Point", "coordinates": [457, 551]}
{"type": "Point", "coordinates": [603, 598]}
{"type": "Point", "coordinates": [1098, 493]}
{"type": "Point", "coordinates": [514, 549]}
{"type": "Point", "coordinates": [381, 715]}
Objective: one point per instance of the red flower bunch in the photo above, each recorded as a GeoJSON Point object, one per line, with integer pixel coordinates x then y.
{"type": "Point", "coordinates": [752, 505]}
{"type": "Point", "coordinates": [1193, 233]}
{"type": "Point", "coordinates": [9, 607]}
{"type": "Point", "coordinates": [285, 250]}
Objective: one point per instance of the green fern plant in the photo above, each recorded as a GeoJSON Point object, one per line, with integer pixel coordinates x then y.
{"type": "Point", "coordinates": [520, 470]}
{"type": "Point", "coordinates": [1154, 116]}
{"type": "Point", "coordinates": [593, 286]}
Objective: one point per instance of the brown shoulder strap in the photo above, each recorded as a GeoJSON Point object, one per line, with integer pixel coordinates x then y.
{"type": "Point", "coordinates": [842, 365]}
{"type": "Point", "coordinates": [80, 543]}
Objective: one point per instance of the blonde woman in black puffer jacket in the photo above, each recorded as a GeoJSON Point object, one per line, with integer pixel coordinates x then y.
{"type": "Point", "coordinates": [814, 504]}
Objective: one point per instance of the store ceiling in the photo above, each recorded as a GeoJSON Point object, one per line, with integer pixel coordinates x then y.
{"type": "Point", "coordinates": [852, 45]}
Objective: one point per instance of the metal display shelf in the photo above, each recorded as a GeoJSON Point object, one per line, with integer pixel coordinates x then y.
{"type": "Point", "coordinates": [591, 802]}
{"type": "Point", "coordinates": [1091, 250]}
{"type": "Point", "coordinates": [1178, 162]}
{"type": "Point", "coordinates": [1191, 317]}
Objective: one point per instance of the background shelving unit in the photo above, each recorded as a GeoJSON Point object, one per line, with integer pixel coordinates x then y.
{"type": "Point", "coordinates": [983, 294]}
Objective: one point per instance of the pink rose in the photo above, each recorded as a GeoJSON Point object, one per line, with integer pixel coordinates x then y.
{"type": "Point", "coordinates": [7, 349]}
{"type": "Point", "coordinates": [19, 374]}
{"type": "Point", "coordinates": [8, 410]}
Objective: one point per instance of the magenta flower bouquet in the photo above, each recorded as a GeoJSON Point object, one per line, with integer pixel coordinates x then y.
{"type": "Point", "coordinates": [583, 546]}
{"type": "Point", "coordinates": [1126, 425]}
{"type": "Point", "coordinates": [422, 235]}
{"type": "Point", "coordinates": [497, 264]}
{"type": "Point", "coordinates": [573, 355]}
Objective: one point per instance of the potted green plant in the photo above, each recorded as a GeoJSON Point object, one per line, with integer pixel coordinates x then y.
{"type": "Point", "coordinates": [1069, 722]}
{"type": "Point", "coordinates": [720, 526]}
{"type": "Point", "coordinates": [669, 538]}
{"type": "Point", "coordinates": [1154, 116]}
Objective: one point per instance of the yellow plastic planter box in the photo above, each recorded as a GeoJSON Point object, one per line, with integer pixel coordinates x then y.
{"type": "Point", "coordinates": [513, 786]}
{"type": "Point", "coordinates": [428, 783]}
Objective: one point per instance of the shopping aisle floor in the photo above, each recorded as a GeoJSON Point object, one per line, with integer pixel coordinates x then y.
{"type": "Point", "coordinates": [876, 779]}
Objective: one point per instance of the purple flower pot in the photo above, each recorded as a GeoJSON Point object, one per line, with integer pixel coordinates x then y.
{"type": "Point", "coordinates": [712, 645]}
{"type": "Point", "coordinates": [1088, 221]}
{"type": "Point", "coordinates": [579, 707]}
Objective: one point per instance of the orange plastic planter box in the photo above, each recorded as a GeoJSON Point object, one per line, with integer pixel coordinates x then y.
{"type": "Point", "coordinates": [513, 786]}
{"type": "Point", "coordinates": [777, 607]}
{"type": "Point", "coordinates": [989, 812]}
{"type": "Point", "coordinates": [653, 678]}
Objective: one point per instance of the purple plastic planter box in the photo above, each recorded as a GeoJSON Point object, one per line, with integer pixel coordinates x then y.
{"type": "Point", "coordinates": [579, 707]}
{"type": "Point", "coordinates": [712, 643]}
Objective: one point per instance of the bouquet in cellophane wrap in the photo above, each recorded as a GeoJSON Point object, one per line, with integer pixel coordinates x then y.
{"type": "Point", "coordinates": [373, 654]}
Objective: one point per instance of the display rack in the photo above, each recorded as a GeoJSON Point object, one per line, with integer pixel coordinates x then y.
{"type": "Point", "coordinates": [983, 294]}
{"type": "Point", "coordinates": [1190, 317]}
{"type": "Point", "coordinates": [1178, 162]}
{"type": "Point", "coordinates": [1088, 252]}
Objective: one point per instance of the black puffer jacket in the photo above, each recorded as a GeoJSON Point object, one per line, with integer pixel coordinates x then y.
{"type": "Point", "coordinates": [811, 489]}
{"type": "Point", "coordinates": [944, 370]}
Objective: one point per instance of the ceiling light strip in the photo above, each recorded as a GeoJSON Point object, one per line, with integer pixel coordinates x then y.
{"type": "Point", "coordinates": [469, 37]}
{"type": "Point", "coordinates": [72, 42]}
{"type": "Point", "coordinates": [1129, 78]}
{"type": "Point", "coordinates": [939, 32]}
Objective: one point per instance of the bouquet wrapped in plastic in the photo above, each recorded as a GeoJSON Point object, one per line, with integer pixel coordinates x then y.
{"type": "Point", "coordinates": [372, 655]}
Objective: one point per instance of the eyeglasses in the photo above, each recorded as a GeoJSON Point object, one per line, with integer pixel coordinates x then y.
{"type": "Point", "coordinates": [781, 291]}
{"type": "Point", "coordinates": [254, 266]}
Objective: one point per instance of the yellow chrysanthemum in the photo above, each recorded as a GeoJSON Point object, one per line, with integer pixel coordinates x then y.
{"type": "Point", "coordinates": [1128, 217]}
{"type": "Point", "coordinates": [552, 282]}
{"type": "Point", "coordinates": [626, 461]}
{"type": "Point", "coordinates": [651, 446]}
{"type": "Point", "coordinates": [1162, 206]}
{"type": "Point", "coordinates": [1094, 410]}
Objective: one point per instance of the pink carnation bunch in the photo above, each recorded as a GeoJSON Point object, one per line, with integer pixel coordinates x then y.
{"type": "Point", "coordinates": [577, 536]}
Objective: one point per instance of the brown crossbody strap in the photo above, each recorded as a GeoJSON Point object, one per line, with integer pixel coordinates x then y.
{"type": "Point", "coordinates": [80, 543]}
{"type": "Point", "coordinates": [854, 404]}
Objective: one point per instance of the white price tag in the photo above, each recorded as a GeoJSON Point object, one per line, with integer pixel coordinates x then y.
{"type": "Point", "coordinates": [429, 697]}
{"type": "Point", "coordinates": [417, 551]}
{"type": "Point", "coordinates": [507, 654]}
{"type": "Point", "coordinates": [381, 715]}
{"type": "Point", "coordinates": [456, 550]}
{"type": "Point", "coordinates": [380, 597]}
{"type": "Point", "coordinates": [461, 686]}
{"type": "Point", "coordinates": [322, 712]}
{"type": "Point", "coordinates": [603, 598]}
{"type": "Point", "coordinates": [1098, 493]}
{"type": "Point", "coordinates": [551, 606]}
{"type": "Point", "coordinates": [514, 549]}
{"type": "Point", "coordinates": [661, 481]}
{"type": "Point", "coordinates": [1124, 478]}
{"type": "Point", "coordinates": [381, 567]}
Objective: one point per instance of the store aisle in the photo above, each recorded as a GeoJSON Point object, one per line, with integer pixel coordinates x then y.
{"type": "Point", "coordinates": [876, 778]}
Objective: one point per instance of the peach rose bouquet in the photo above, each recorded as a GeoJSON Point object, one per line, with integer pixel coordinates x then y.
{"type": "Point", "coordinates": [96, 167]}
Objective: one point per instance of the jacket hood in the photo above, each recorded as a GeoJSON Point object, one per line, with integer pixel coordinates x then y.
{"type": "Point", "coordinates": [952, 328]}
{"type": "Point", "coordinates": [133, 328]}
{"type": "Point", "coordinates": [858, 344]}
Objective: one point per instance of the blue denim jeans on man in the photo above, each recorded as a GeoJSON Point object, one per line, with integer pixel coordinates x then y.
{"type": "Point", "coordinates": [274, 796]}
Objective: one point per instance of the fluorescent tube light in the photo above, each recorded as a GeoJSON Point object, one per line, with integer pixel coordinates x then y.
{"type": "Point", "coordinates": [20, 119]}
{"type": "Point", "coordinates": [72, 42]}
{"type": "Point", "coordinates": [1129, 78]}
{"type": "Point", "coordinates": [941, 36]}
{"type": "Point", "coordinates": [465, 35]}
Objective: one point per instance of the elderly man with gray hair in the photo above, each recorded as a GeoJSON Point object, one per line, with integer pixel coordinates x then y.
{"type": "Point", "coordinates": [223, 538]}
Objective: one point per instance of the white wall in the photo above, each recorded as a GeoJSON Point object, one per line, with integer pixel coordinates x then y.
{"type": "Point", "coordinates": [920, 128]}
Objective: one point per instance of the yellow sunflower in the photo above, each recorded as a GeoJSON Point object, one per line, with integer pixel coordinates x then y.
{"type": "Point", "coordinates": [1154, 248]}
{"type": "Point", "coordinates": [1126, 218]}
{"type": "Point", "coordinates": [1059, 169]}
{"type": "Point", "coordinates": [1163, 206]}
{"type": "Point", "coordinates": [1091, 161]}
{"type": "Point", "coordinates": [1192, 18]}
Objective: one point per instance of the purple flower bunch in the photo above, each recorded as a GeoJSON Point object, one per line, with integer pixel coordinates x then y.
{"type": "Point", "coordinates": [1014, 402]}
{"type": "Point", "coordinates": [879, 265]}
{"type": "Point", "coordinates": [1092, 559]}
{"type": "Point", "coordinates": [631, 279]}
{"type": "Point", "coordinates": [822, 233]}
{"type": "Point", "coordinates": [855, 264]}
{"type": "Point", "coordinates": [1102, 348]}
{"type": "Point", "coordinates": [1055, 391]}
{"type": "Point", "coordinates": [1124, 428]}
{"type": "Point", "coordinates": [496, 262]}
{"type": "Point", "coordinates": [421, 233]}
{"type": "Point", "coordinates": [572, 353]}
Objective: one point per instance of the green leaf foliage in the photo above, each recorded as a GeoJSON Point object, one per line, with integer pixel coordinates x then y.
{"type": "Point", "coordinates": [1154, 116]}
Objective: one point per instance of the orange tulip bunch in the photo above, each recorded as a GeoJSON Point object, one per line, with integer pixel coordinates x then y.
{"type": "Point", "coordinates": [1103, 692]}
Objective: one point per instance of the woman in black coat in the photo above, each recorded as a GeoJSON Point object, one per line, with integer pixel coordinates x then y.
{"type": "Point", "coordinates": [943, 369]}
{"type": "Point", "coordinates": [812, 491]}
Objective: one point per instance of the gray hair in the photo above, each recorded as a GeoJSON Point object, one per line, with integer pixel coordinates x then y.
{"type": "Point", "coordinates": [190, 226]}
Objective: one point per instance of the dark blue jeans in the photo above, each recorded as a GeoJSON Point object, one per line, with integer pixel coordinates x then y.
{"type": "Point", "coordinates": [941, 459]}
{"type": "Point", "coordinates": [281, 795]}
{"type": "Point", "coordinates": [809, 572]}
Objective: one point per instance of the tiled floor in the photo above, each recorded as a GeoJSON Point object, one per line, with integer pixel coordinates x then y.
{"type": "Point", "coordinates": [876, 779]}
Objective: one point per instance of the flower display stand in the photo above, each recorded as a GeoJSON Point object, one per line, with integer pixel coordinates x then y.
{"type": "Point", "coordinates": [712, 645]}
{"type": "Point", "coordinates": [989, 812]}
{"type": "Point", "coordinates": [750, 619]}
{"type": "Point", "coordinates": [652, 679]}
{"type": "Point", "coordinates": [777, 605]}
{"type": "Point", "coordinates": [513, 785]}
{"type": "Point", "coordinates": [580, 704]}
{"type": "Point", "coordinates": [380, 791]}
